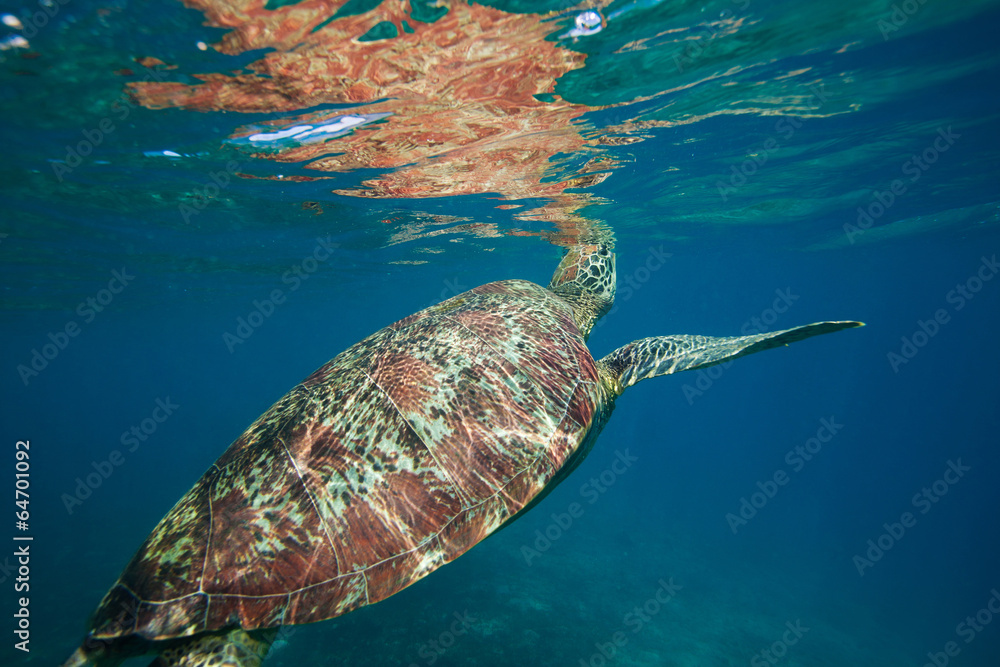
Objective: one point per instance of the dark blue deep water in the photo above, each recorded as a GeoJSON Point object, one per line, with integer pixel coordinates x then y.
{"type": "Point", "coordinates": [759, 164]}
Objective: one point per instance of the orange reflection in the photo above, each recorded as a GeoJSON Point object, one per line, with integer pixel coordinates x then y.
{"type": "Point", "coordinates": [463, 92]}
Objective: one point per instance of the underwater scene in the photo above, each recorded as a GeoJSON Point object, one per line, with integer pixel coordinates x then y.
{"type": "Point", "coordinates": [536, 240]}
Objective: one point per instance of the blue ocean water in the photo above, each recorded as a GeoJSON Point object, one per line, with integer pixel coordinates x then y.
{"type": "Point", "coordinates": [760, 165]}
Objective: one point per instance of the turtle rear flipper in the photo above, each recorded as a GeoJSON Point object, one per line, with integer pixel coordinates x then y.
{"type": "Point", "coordinates": [662, 355]}
{"type": "Point", "coordinates": [230, 648]}
{"type": "Point", "coordinates": [235, 648]}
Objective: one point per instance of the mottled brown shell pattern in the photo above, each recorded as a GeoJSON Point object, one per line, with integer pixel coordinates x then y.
{"type": "Point", "coordinates": [392, 459]}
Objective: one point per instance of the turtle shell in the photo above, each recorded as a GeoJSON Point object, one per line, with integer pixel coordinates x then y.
{"type": "Point", "coordinates": [391, 460]}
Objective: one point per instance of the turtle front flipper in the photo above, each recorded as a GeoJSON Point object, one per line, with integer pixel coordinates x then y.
{"type": "Point", "coordinates": [662, 355]}
{"type": "Point", "coordinates": [234, 648]}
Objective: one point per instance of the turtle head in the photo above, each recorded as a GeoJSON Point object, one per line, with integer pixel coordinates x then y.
{"type": "Point", "coordinates": [586, 279]}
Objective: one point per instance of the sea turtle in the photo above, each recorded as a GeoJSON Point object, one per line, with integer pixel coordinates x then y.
{"type": "Point", "coordinates": [393, 459]}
